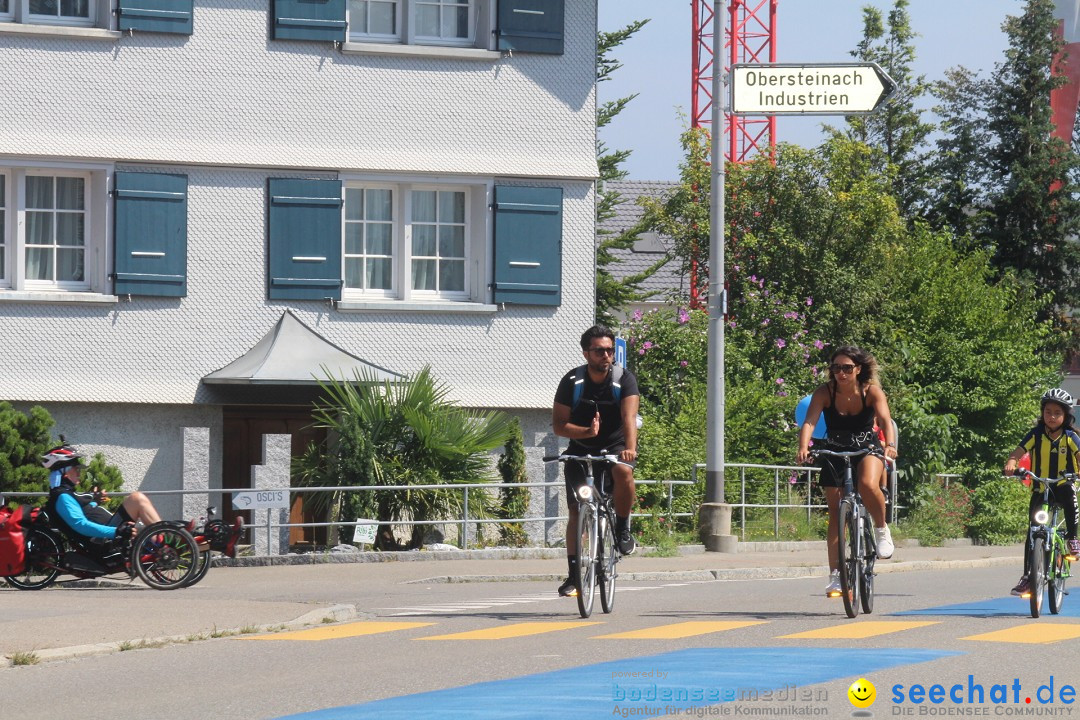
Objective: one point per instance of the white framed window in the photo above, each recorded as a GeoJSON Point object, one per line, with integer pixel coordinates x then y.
{"type": "Point", "coordinates": [55, 220]}
{"type": "Point", "coordinates": [414, 241]}
{"type": "Point", "coordinates": [439, 223]}
{"type": "Point", "coordinates": [52, 229]}
{"type": "Point", "coordinates": [370, 262]}
{"type": "Point", "coordinates": [460, 23]}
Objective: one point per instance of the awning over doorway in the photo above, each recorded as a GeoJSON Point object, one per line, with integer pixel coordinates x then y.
{"type": "Point", "coordinates": [294, 354]}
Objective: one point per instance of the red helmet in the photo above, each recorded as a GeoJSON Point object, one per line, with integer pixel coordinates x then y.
{"type": "Point", "coordinates": [61, 457]}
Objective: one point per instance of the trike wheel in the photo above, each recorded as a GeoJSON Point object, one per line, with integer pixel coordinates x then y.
{"type": "Point", "coordinates": [43, 553]}
{"type": "Point", "coordinates": [165, 556]}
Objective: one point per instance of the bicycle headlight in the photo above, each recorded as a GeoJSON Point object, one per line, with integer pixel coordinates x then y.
{"type": "Point", "coordinates": [1042, 517]}
{"type": "Point", "coordinates": [585, 493]}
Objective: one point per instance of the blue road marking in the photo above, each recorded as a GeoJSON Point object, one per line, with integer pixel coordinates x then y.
{"type": "Point", "coordinates": [595, 690]}
{"type": "Point", "coordinates": [997, 607]}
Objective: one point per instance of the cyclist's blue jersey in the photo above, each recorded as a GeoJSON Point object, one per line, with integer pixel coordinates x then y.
{"type": "Point", "coordinates": [1051, 458]}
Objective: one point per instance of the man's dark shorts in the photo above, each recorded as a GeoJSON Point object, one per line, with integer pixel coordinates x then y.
{"type": "Point", "coordinates": [574, 472]}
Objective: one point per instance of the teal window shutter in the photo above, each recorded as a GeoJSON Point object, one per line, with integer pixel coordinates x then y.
{"type": "Point", "coordinates": [528, 245]}
{"type": "Point", "coordinates": [161, 16]}
{"type": "Point", "coordinates": [531, 26]}
{"type": "Point", "coordinates": [151, 234]}
{"type": "Point", "coordinates": [305, 239]}
{"type": "Point", "coordinates": [321, 20]}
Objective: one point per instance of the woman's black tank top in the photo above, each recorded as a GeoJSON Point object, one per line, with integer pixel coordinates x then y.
{"type": "Point", "coordinates": [854, 429]}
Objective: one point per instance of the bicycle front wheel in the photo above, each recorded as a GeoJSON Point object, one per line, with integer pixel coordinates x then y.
{"type": "Point", "coordinates": [608, 557]}
{"type": "Point", "coordinates": [1038, 561]}
{"type": "Point", "coordinates": [165, 556]}
{"type": "Point", "coordinates": [1059, 570]}
{"type": "Point", "coordinates": [850, 562]}
{"type": "Point", "coordinates": [586, 552]}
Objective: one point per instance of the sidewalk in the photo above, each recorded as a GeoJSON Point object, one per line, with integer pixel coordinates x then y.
{"type": "Point", "coordinates": [94, 617]}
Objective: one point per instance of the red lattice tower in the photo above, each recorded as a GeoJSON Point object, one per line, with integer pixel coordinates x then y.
{"type": "Point", "coordinates": [750, 37]}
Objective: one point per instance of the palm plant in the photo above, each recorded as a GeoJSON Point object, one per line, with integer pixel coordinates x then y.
{"type": "Point", "coordinates": [404, 432]}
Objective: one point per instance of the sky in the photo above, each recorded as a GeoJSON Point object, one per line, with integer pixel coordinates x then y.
{"type": "Point", "coordinates": [656, 63]}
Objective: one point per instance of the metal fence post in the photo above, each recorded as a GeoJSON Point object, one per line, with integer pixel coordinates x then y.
{"type": "Point", "coordinates": [465, 522]}
{"type": "Point", "coordinates": [776, 508]}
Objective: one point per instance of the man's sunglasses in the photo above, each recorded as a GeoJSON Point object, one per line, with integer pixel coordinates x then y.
{"type": "Point", "coordinates": [848, 368]}
{"type": "Point", "coordinates": [602, 350]}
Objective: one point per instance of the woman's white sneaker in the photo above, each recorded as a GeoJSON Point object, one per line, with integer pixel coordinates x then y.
{"type": "Point", "coordinates": [884, 543]}
{"type": "Point", "coordinates": [833, 588]}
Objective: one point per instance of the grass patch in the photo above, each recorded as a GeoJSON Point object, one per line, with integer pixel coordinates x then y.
{"type": "Point", "coordinates": [24, 658]}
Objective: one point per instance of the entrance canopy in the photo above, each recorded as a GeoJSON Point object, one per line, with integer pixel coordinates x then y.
{"type": "Point", "coordinates": [294, 354]}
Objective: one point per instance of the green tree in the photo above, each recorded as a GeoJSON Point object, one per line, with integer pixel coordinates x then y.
{"type": "Point", "coordinates": [401, 433]}
{"type": "Point", "coordinates": [514, 500]}
{"type": "Point", "coordinates": [1034, 202]}
{"type": "Point", "coordinates": [24, 438]}
{"type": "Point", "coordinates": [957, 173]}
{"type": "Point", "coordinates": [612, 293]}
{"type": "Point", "coordinates": [896, 131]}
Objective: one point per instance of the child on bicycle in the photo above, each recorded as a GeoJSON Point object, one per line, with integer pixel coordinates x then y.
{"type": "Point", "coordinates": [1054, 447]}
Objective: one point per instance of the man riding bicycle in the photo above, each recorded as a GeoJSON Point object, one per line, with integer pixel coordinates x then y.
{"type": "Point", "coordinates": [79, 515]}
{"type": "Point", "coordinates": [598, 413]}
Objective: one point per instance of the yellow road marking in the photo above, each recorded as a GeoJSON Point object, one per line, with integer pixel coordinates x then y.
{"type": "Point", "coordinates": [680, 630]}
{"type": "Point", "coordinates": [859, 630]}
{"type": "Point", "coordinates": [1041, 632]}
{"type": "Point", "coordinates": [511, 631]}
{"type": "Point", "coordinates": [333, 632]}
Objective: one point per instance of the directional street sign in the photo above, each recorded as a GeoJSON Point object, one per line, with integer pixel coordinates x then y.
{"type": "Point", "coordinates": [806, 89]}
{"type": "Point", "coordinates": [260, 499]}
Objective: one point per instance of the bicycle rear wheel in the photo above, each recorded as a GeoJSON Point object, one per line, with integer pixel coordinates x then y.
{"type": "Point", "coordinates": [866, 577]}
{"type": "Point", "coordinates": [850, 562]}
{"type": "Point", "coordinates": [586, 551]}
{"type": "Point", "coordinates": [608, 557]}
{"type": "Point", "coordinates": [1037, 568]}
{"type": "Point", "coordinates": [1055, 582]}
{"type": "Point", "coordinates": [43, 553]}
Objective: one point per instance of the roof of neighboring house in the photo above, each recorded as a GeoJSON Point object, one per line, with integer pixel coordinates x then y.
{"type": "Point", "coordinates": [650, 247]}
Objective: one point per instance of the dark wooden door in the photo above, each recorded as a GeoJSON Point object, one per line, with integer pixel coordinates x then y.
{"type": "Point", "coordinates": [244, 428]}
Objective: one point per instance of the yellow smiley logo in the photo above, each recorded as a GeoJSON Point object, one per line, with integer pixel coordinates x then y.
{"type": "Point", "coordinates": [862, 693]}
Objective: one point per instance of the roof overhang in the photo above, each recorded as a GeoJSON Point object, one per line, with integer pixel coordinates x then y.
{"type": "Point", "coordinates": [294, 354]}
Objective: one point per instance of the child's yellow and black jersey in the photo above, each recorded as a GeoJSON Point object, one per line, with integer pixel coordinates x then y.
{"type": "Point", "coordinates": [1051, 458]}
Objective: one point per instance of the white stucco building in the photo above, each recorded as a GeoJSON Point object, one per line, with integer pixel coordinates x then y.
{"type": "Point", "coordinates": [413, 180]}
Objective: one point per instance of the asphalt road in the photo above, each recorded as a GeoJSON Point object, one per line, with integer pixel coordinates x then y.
{"type": "Point", "coordinates": [527, 654]}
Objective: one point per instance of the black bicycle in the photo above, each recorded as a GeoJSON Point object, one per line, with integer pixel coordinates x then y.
{"type": "Point", "coordinates": [858, 544]}
{"type": "Point", "coordinates": [1047, 558]}
{"type": "Point", "coordinates": [597, 550]}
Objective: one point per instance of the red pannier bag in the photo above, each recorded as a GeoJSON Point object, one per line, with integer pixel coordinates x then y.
{"type": "Point", "coordinates": [13, 531]}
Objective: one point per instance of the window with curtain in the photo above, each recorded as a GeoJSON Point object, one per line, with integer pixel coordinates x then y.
{"type": "Point", "coordinates": [420, 22]}
{"type": "Point", "coordinates": [408, 241]}
{"type": "Point", "coordinates": [55, 242]}
{"type": "Point", "coordinates": [74, 12]}
{"type": "Point", "coordinates": [369, 240]}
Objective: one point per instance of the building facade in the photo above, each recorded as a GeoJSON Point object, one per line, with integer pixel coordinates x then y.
{"type": "Point", "coordinates": [413, 180]}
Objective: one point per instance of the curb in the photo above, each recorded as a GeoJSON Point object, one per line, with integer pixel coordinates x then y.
{"type": "Point", "coordinates": [759, 573]}
{"type": "Point", "coordinates": [338, 613]}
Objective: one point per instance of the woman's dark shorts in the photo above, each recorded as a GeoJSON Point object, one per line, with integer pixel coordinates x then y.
{"type": "Point", "coordinates": [832, 468]}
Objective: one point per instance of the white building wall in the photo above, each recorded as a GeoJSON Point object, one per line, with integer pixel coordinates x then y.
{"type": "Point", "coordinates": [229, 95]}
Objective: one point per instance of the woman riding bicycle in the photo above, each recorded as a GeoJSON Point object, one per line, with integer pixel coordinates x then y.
{"type": "Point", "coordinates": [1054, 447]}
{"type": "Point", "coordinates": [851, 400]}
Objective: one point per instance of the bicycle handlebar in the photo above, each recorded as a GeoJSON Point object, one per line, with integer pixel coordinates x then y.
{"type": "Point", "coordinates": [840, 453]}
{"type": "Point", "coordinates": [1069, 478]}
{"type": "Point", "coordinates": [611, 459]}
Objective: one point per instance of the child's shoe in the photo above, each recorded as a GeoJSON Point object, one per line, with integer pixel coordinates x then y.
{"type": "Point", "coordinates": [1073, 547]}
{"type": "Point", "coordinates": [1023, 587]}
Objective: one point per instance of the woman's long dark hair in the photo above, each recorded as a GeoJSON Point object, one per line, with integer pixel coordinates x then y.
{"type": "Point", "coordinates": [868, 368]}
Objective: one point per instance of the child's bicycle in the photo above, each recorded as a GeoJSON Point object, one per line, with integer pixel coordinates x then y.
{"type": "Point", "coordinates": [858, 545]}
{"type": "Point", "coordinates": [597, 550]}
{"type": "Point", "coordinates": [1047, 560]}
